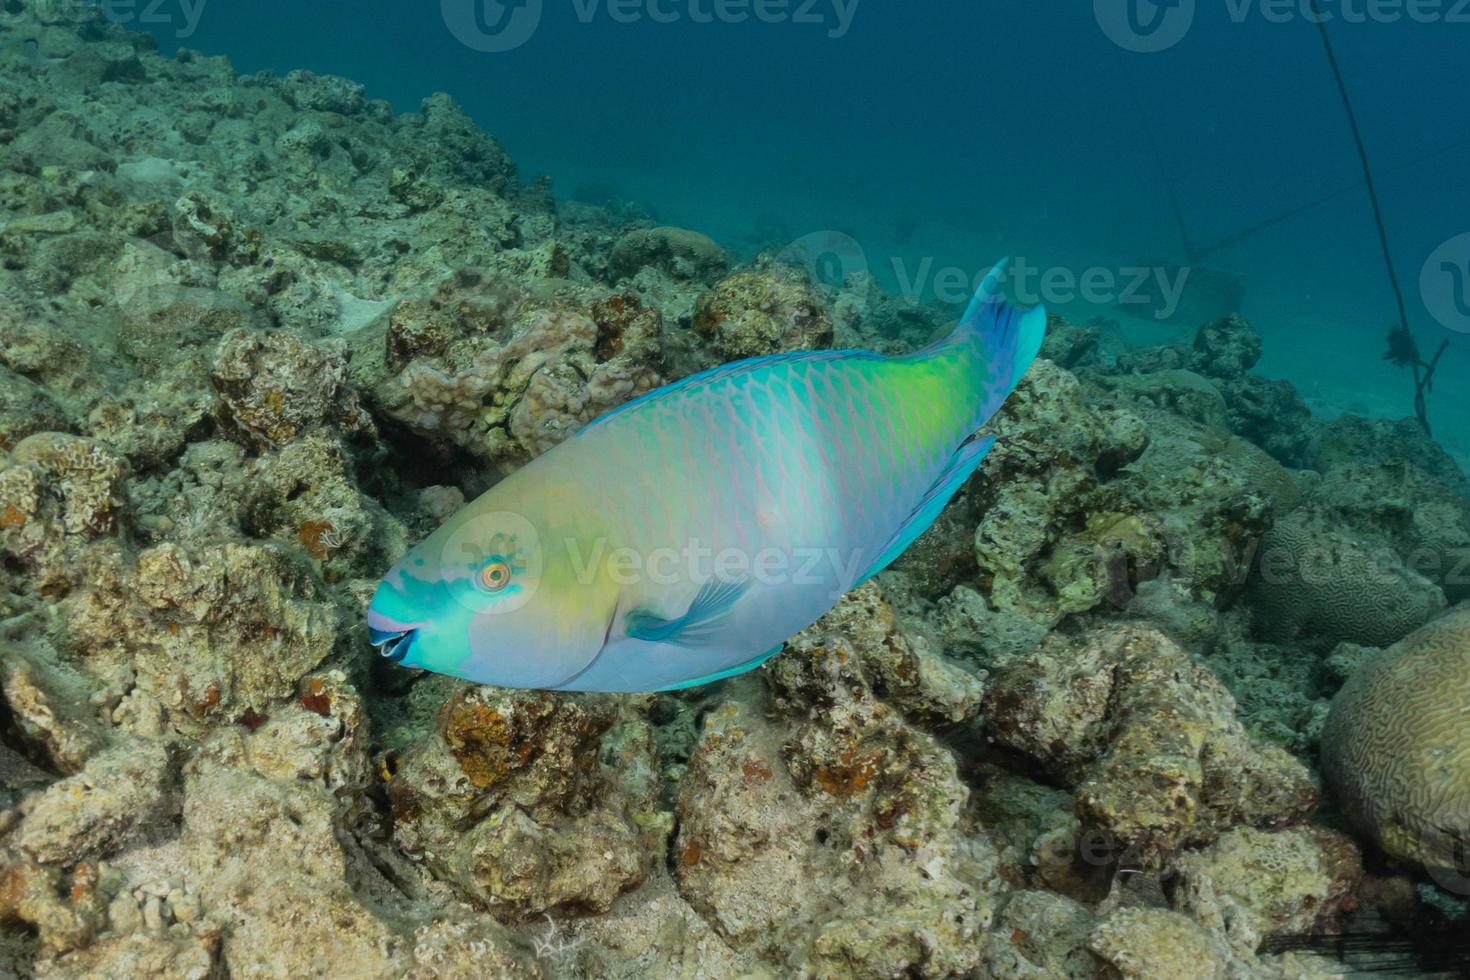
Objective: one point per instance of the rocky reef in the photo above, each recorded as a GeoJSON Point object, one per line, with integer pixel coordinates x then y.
{"type": "Point", "coordinates": [260, 334]}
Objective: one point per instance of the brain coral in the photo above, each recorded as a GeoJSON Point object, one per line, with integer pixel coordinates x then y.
{"type": "Point", "coordinates": [1312, 582]}
{"type": "Point", "coordinates": [1396, 748]}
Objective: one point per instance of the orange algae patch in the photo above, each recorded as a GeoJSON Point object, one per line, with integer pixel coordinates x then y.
{"type": "Point", "coordinates": [754, 768]}
{"type": "Point", "coordinates": [11, 517]}
{"type": "Point", "coordinates": [849, 777]}
{"type": "Point", "coordinates": [317, 699]}
{"type": "Point", "coordinates": [313, 535]}
{"type": "Point", "coordinates": [482, 743]}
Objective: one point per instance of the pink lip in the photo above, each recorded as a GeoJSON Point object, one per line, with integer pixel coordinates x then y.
{"type": "Point", "coordinates": [387, 624]}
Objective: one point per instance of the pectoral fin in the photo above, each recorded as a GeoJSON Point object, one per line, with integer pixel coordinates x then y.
{"type": "Point", "coordinates": [714, 599]}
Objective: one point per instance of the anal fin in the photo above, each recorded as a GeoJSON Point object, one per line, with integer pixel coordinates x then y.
{"type": "Point", "coordinates": [720, 675]}
{"type": "Point", "coordinates": [964, 463]}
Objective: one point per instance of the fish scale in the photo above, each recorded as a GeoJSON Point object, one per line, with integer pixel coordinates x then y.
{"type": "Point", "coordinates": [686, 535]}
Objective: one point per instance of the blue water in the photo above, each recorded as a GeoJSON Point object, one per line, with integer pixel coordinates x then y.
{"type": "Point", "coordinates": [960, 131]}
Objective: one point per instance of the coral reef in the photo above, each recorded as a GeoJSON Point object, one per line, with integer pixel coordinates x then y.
{"type": "Point", "coordinates": [762, 311]}
{"type": "Point", "coordinates": [1396, 749]}
{"type": "Point", "coordinates": [1147, 737]}
{"type": "Point", "coordinates": [260, 334]}
{"type": "Point", "coordinates": [502, 374]}
{"type": "Point", "coordinates": [1314, 581]}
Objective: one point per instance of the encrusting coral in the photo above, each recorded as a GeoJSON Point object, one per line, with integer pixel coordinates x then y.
{"type": "Point", "coordinates": [261, 335]}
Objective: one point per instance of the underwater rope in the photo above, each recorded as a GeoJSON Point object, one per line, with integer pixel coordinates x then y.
{"type": "Point", "coordinates": [1401, 346]}
{"type": "Point", "coordinates": [1270, 222]}
{"type": "Point", "coordinates": [1170, 187]}
{"type": "Point", "coordinates": [1352, 118]}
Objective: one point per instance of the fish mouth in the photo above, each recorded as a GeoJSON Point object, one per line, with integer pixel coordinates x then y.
{"type": "Point", "coordinates": [392, 644]}
{"type": "Point", "coordinates": [392, 637]}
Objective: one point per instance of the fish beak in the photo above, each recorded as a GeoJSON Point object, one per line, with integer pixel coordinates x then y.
{"type": "Point", "coordinates": [393, 646]}
{"type": "Point", "coordinates": [391, 637]}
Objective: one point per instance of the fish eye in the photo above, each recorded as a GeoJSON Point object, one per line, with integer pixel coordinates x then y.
{"type": "Point", "coordinates": [495, 576]}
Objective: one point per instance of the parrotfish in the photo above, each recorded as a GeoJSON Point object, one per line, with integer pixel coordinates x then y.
{"type": "Point", "coordinates": [683, 537]}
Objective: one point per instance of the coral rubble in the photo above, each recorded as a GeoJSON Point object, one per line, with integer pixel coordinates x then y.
{"type": "Point", "coordinates": [264, 333]}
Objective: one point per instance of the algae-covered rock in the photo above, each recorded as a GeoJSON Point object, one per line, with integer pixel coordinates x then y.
{"type": "Point", "coordinates": [1226, 348]}
{"type": "Point", "coordinates": [271, 387]}
{"type": "Point", "coordinates": [858, 650]}
{"type": "Point", "coordinates": [1148, 738]}
{"type": "Point", "coordinates": [762, 311]}
{"type": "Point", "coordinates": [1143, 943]}
{"type": "Point", "coordinates": [88, 479]}
{"type": "Point", "coordinates": [505, 377]}
{"type": "Point", "coordinates": [49, 707]}
{"type": "Point", "coordinates": [1355, 441]}
{"type": "Point", "coordinates": [1037, 485]}
{"type": "Point", "coordinates": [786, 849]}
{"type": "Point", "coordinates": [162, 324]}
{"type": "Point", "coordinates": [510, 799]}
{"type": "Point", "coordinates": [323, 93]}
{"type": "Point", "coordinates": [63, 911]}
{"type": "Point", "coordinates": [25, 409]}
{"type": "Point", "coordinates": [1401, 508]}
{"type": "Point", "coordinates": [210, 633]}
{"type": "Point", "coordinates": [121, 796]}
{"type": "Point", "coordinates": [1292, 882]}
{"type": "Point", "coordinates": [1040, 934]}
{"type": "Point", "coordinates": [268, 860]}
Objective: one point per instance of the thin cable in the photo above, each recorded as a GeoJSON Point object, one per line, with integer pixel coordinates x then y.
{"type": "Point", "coordinates": [1352, 117]}
{"type": "Point", "coordinates": [1260, 226]}
{"type": "Point", "coordinates": [1158, 154]}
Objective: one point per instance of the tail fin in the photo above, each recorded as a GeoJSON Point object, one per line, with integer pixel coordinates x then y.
{"type": "Point", "coordinates": [1002, 339]}
{"type": "Point", "coordinates": [1009, 337]}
